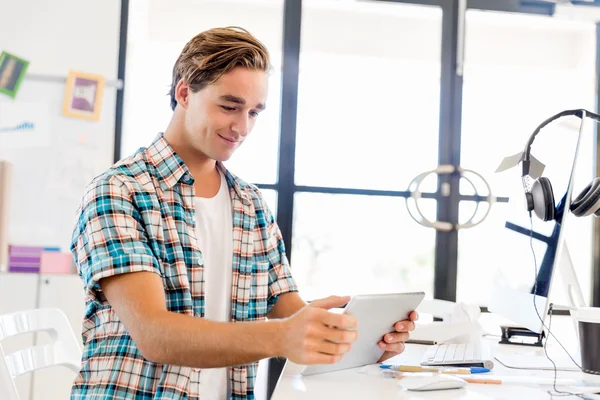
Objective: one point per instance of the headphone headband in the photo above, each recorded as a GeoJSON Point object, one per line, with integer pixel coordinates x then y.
{"type": "Point", "coordinates": [581, 113]}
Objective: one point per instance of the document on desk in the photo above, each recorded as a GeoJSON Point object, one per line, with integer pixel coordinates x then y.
{"type": "Point", "coordinates": [520, 361]}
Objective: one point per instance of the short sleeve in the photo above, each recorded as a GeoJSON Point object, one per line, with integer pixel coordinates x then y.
{"type": "Point", "coordinates": [109, 238]}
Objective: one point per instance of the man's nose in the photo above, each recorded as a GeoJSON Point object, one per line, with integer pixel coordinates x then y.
{"type": "Point", "coordinates": [241, 125]}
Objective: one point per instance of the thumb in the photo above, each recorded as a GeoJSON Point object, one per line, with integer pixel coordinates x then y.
{"type": "Point", "coordinates": [330, 302]}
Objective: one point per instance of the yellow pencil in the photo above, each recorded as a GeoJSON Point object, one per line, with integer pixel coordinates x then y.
{"type": "Point", "coordinates": [487, 381]}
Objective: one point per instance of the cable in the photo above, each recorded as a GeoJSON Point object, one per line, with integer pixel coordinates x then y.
{"type": "Point", "coordinates": [557, 341]}
{"type": "Point", "coordinates": [557, 393]}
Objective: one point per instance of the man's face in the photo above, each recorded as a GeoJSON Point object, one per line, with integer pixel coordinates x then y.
{"type": "Point", "coordinates": [220, 116]}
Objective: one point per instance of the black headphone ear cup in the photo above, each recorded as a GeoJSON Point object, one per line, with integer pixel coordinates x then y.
{"type": "Point", "coordinates": [588, 201]}
{"type": "Point", "coordinates": [529, 201]}
{"type": "Point", "coordinates": [543, 199]}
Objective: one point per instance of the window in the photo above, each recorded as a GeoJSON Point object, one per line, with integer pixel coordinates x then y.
{"type": "Point", "coordinates": [351, 244]}
{"type": "Point", "coordinates": [368, 104]}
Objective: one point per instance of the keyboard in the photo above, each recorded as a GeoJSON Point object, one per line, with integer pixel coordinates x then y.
{"type": "Point", "coordinates": [475, 354]}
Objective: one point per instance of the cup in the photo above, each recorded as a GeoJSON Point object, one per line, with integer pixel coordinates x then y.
{"type": "Point", "coordinates": [589, 338]}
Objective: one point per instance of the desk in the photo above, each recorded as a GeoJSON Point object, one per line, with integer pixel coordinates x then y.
{"type": "Point", "coordinates": [351, 384]}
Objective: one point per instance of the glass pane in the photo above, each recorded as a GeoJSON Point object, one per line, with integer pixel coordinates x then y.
{"type": "Point", "coordinates": [270, 197]}
{"type": "Point", "coordinates": [540, 67]}
{"type": "Point", "coordinates": [156, 38]}
{"type": "Point", "coordinates": [349, 244]}
{"type": "Point", "coordinates": [368, 98]}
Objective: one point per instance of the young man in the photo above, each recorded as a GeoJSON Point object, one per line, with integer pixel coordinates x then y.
{"type": "Point", "coordinates": [183, 262]}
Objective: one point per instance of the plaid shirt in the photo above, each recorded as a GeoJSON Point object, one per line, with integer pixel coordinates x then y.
{"type": "Point", "coordinates": [139, 216]}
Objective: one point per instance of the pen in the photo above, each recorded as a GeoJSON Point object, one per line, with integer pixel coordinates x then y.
{"type": "Point", "coordinates": [426, 342]}
{"type": "Point", "coordinates": [415, 368]}
{"type": "Point", "coordinates": [482, 381]}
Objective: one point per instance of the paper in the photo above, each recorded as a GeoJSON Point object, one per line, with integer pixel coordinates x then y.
{"type": "Point", "coordinates": [371, 369]}
{"type": "Point", "coordinates": [536, 168]}
{"type": "Point", "coordinates": [509, 162]}
{"type": "Point", "coordinates": [22, 125]}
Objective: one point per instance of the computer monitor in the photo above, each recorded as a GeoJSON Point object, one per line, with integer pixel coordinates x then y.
{"type": "Point", "coordinates": [516, 283]}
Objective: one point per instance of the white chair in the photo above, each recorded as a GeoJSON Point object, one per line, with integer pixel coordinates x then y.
{"type": "Point", "coordinates": [63, 349]}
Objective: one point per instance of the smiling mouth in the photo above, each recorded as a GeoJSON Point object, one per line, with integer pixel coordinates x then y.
{"type": "Point", "coordinates": [230, 141]}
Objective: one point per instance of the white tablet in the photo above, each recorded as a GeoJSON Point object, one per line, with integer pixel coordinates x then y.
{"type": "Point", "coordinates": [376, 314]}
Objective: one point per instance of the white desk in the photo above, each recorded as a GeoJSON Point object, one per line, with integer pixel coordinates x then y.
{"type": "Point", "coordinates": [351, 384]}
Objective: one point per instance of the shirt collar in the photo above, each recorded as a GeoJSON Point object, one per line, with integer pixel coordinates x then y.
{"type": "Point", "coordinates": [170, 169]}
{"type": "Point", "coordinates": [234, 182]}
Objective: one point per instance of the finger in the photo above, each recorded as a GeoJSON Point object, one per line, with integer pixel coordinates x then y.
{"type": "Point", "coordinates": [404, 326]}
{"type": "Point", "coordinates": [393, 347]}
{"type": "Point", "coordinates": [337, 335]}
{"type": "Point", "coordinates": [335, 349]}
{"type": "Point", "coordinates": [386, 356]}
{"type": "Point", "coordinates": [338, 320]}
{"type": "Point", "coordinates": [396, 337]}
{"type": "Point", "coordinates": [321, 358]}
{"type": "Point", "coordinates": [414, 316]}
{"type": "Point", "coordinates": [330, 302]}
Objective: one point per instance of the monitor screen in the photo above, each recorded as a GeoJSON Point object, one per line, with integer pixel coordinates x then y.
{"type": "Point", "coordinates": [523, 237]}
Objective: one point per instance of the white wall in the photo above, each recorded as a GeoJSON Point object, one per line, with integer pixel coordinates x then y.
{"type": "Point", "coordinates": [59, 35]}
{"type": "Point", "coordinates": [49, 178]}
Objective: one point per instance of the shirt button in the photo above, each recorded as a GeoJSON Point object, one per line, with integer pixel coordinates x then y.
{"type": "Point", "coordinates": [187, 178]}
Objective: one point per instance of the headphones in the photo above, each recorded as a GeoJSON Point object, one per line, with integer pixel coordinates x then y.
{"type": "Point", "coordinates": [539, 195]}
{"type": "Point", "coordinates": [416, 194]}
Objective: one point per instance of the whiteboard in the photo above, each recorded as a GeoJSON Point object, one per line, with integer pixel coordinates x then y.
{"type": "Point", "coordinates": [53, 162]}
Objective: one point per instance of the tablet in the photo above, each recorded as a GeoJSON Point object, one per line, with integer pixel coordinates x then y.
{"type": "Point", "coordinates": [376, 314]}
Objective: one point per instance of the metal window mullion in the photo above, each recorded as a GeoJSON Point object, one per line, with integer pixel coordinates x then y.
{"type": "Point", "coordinates": [446, 243]}
{"type": "Point", "coordinates": [120, 103]}
{"type": "Point", "coordinates": [289, 108]}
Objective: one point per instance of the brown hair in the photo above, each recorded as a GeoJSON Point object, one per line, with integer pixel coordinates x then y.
{"type": "Point", "coordinates": [215, 52]}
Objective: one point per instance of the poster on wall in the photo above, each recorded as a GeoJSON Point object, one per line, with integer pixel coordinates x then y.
{"type": "Point", "coordinates": [23, 124]}
{"type": "Point", "coordinates": [12, 72]}
{"type": "Point", "coordinates": [83, 95]}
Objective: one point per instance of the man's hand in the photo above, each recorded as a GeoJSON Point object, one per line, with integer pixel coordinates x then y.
{"type": "Point", "coordinates": [316, 336]}
{"type": "Point", "coordinates": [393, 342]}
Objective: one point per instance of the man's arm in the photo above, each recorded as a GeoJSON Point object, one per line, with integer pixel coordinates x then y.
{"type": "Point", "coordinates": [119, 269]}
{"type": "Point", "coordinates": [169, 338]}
{"type": "Point", "coordinates": [287, 305]}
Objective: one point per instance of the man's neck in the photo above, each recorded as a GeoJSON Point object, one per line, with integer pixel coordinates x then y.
{"type": "Point", "coordinates": [203, 169]}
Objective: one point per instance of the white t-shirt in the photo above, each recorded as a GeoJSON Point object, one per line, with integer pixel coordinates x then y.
{"type": "Point", "coordinates": [214, 231]}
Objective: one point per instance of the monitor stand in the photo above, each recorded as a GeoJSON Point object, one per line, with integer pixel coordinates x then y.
{"type": "Point", "coordinates": [510, 333]}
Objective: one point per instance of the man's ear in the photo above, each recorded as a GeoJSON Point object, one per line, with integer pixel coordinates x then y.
{"type": "Point", "coordinates": [182, 92]}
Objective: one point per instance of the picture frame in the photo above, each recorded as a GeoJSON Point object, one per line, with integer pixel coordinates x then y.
{"type": "Point", "coordinates": [83, 95]}
{"type": "Point", "coordinates": [12, 72]}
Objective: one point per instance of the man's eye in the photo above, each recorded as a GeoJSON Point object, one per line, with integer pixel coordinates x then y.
{"type": "Point", "coordinates": [228, 108]}
{"type": "Point", "coordinates": [253, 114]}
